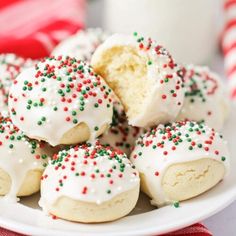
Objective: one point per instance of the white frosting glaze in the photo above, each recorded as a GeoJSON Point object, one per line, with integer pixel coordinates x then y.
{"type": "Point", "coordinates": [205, 98]}
{"type": "Point", "coordinates": [55, 96]}
{"type": "Point", "coordinates": [18, 155]}
{"type": "Point", "coordinates": [10, 66]}
{"type": "Point", "coordinates": [120, 135]}
{"type": "Point", "coordinates": [82, 44]}
{"type": "Point", "coordinates": [87, 173]}
{"type": "Point", "coordinates": [166, 95]}
{"type": "Point", "coordinates": [163, 146]}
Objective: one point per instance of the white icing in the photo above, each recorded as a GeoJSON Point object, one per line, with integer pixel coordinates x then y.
{"type": "Point", "coordinates": [10, 66]}
{"type": "Point", "coordinates": [97, 183]}
{"type": "Point", "coordinates": [17, 160]}
{"type": "Point", "coordinates": [82, 44]}
{"type": "Point", "coordinates": [149, 160]}
{"type": "Point", "coordinates": [202, 84]}
{"type": "Point", "coordinates": [121, 135]}
{"type": "Point", "coordinates": [55, 124]}
{"type": "Point", "coordinates": [155, 110]}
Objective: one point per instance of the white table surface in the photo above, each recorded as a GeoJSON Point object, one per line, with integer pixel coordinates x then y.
{"type": "Point", "coordinates": [223, 223]}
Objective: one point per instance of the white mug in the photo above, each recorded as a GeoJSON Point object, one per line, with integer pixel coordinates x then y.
{"type": "Point", "coordinates": [188, 28]}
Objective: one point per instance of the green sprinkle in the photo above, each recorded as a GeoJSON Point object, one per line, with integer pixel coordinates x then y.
{"type": "Point", "coordinates": [75, 121]}
{"type": "Point", "coordinates": [176, 204]}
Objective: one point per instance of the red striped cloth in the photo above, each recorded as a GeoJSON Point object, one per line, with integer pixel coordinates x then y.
{"type": "Point", "coordinates": [229, 44]}
{"type": "Point", "coordinates": [194, 230]}
{"type": "Point", "coordinates": [32, 28]}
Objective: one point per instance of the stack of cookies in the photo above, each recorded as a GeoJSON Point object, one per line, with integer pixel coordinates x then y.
{"type": "Point", "coordinates": [103, 116]}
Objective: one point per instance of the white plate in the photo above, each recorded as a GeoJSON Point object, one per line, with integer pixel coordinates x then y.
{"type": "Point", "coordinates": [26, 217]}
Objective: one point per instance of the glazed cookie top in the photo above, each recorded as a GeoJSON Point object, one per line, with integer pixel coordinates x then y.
{"type": "Point", "coordinates": [88, 173]}
{"type": "Point", "coordinates": [204, 94]}
{"type": "Point", "coordinates": [55, 96]}
{"type": "Point", "coordinates": [166, 93]}
{"type": "Point", "coordinates": [10, 66]}
{"type": "Point", "coordinates": [82, 44]}
{"type": "Point", "coordinates": [19, 154]}
{"type": "Point", "coordinates": [120, 135]}
{"type": "Point", "coordinates": [180, 142]}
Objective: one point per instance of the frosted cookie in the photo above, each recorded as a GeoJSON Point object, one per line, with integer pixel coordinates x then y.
{"type": "Point", "coordinates": [82, 44]}
{"type": "Point", "coordinates": [120, 135]}
{"type": "Point", "coordinates": [180, 161]}
{"type": "Point", "coordinates": [143, 75]}
{"type": "Point", "coordinates": [22, 161]}
{"type": "Point", "coordinates": [10, 66]}
{"type": "Point", "coordinates": [89, 184]}
{"type": "Point", "coordinates": [61, 101]}
{"type": "Point", "coordinates": [205, 98]}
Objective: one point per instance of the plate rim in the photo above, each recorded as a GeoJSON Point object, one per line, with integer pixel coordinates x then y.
{"type": "Point", "coordinates": [37, 230]}
{"type": "Point", "coordinates": [24, 228]}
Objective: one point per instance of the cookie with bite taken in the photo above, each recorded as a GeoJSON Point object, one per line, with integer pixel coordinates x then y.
{"type": "Point", "coordinates": [143, 75]}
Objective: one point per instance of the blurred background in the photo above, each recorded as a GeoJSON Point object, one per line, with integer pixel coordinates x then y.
{"type": "Point", "coordinates": [190, 29]}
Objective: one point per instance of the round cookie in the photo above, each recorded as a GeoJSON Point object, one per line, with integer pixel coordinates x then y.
{"type": "Point", "coordinates": [22, 161]}
{"type": "Point", "coordinates": [180, 161]}
{"type": "Point", "coordinates": [82, 44]}
{"type": "Point", "coordinates": [10, 66]}
{"type": "Point", "coordinates": [205, 98]}
{"type": "Point", "coordinates": [143, 75]}
{"type": "Point", "coordinates": [89, 184]}
{"type": "Point", "coordinates": [120, 135]}
{"type": "Point", "coordinates": [61, 101]}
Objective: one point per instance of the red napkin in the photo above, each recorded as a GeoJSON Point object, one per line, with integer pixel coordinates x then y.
{"type": "Point", "coordinates": [194, 230]}
{"type": "Point", "coordinates": [32, 28]}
